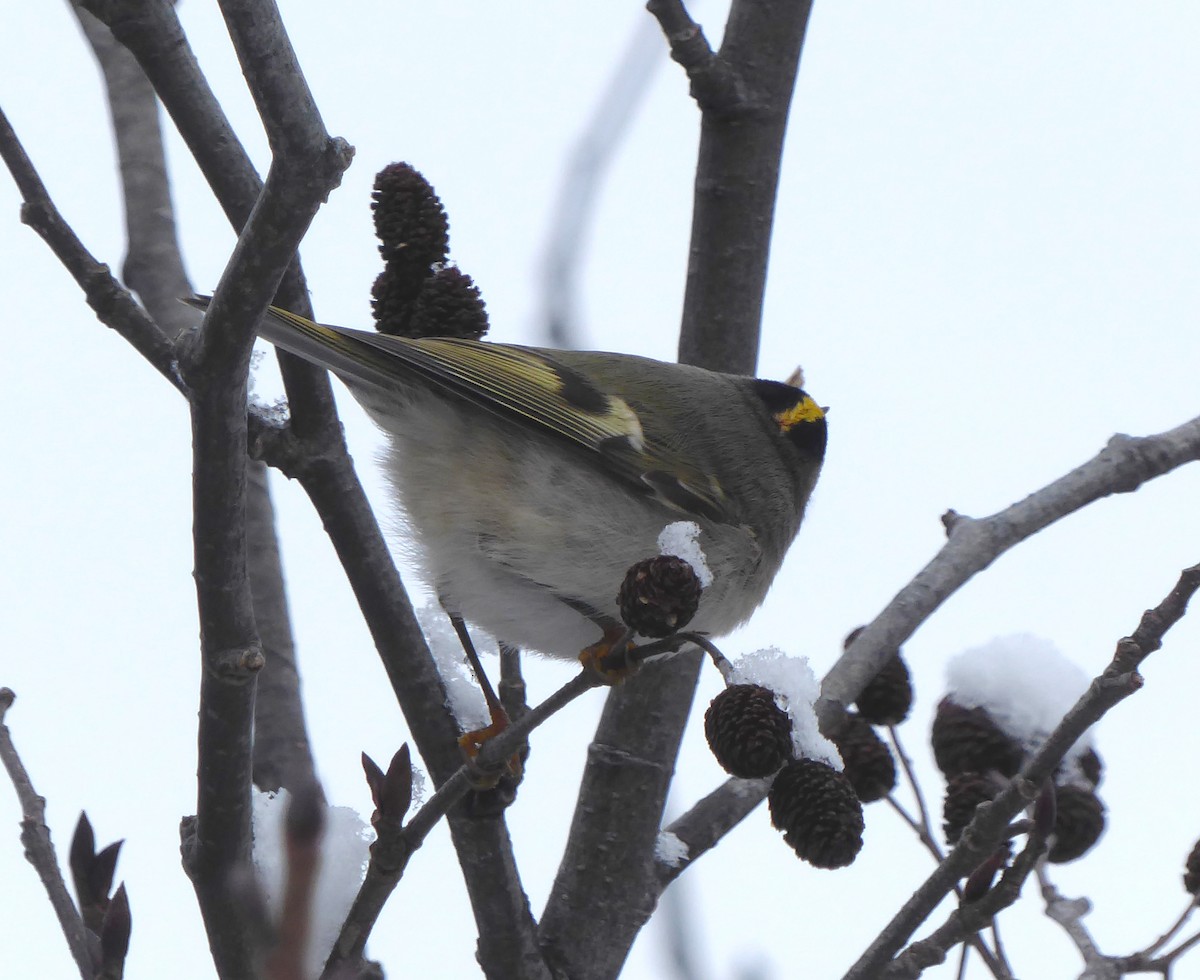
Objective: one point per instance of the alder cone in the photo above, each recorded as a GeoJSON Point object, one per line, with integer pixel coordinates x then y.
{"type": "Point", "coordinates": [968, 740]}
{"type": "Point", "coordinates": [964, 793]}
{"type": "Point", "coordinates": [1078, 823]}
{"type": "Point", "coordinates": [747, 731]}
{"type": "Point", "coordinates": [887, 700]}
{"type": "Point", "coordinates": [820, 816]}
{"type": "Point", "coordinates": [659, 596]}
{"type": "Point", "coordinates": [868, 761]}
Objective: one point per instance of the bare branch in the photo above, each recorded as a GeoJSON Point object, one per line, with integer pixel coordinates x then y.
{"type": "Point", "coordinates": [633, 756]}
{"type": "Point", "coordinates": [508, 936]}
{"type": "Point", "coordinates": [609, 861]}
{"type": "Point", "coordinates": [1069, 914]}
{"type": "Point", "coordinates": [1119, 680]}
{"type": "Point", "coordinates": [313, 438]}
{"type": "Point", "coordinates": [39, 849]}
{"type": "Point", "coordinates": [736, 184]}
{"type": "Point", "coordinates": [151, 30]}
{"type": "Point", "coordinates": [282, 754]}
{"type": "Point", "coordinates": [307, 166]}
{"type": "Point", "coordinates": [154, 268]}
{"type": "Point", "coordinates": [715, 85]}
{"type": "Point", "coordinates": [587, 162]}
{"type": "Point", "coordinates": [112, 304]}
{"type": "Point", "coordinates": [968, 919]}
{"type": "Point", "coordinates": [1121, 467]}
{"type": "Point", "coordinates": [285, 103]}
{"type": "Point", "coordinates": [153, 265]}
{"type": "Point", "coordinates": [1173, 931]}
{"type": "Point", "coordinates": [926, 825]}
{"type": "Point", "coordinates": [512, 690]}
{"type": "Point", "coordinates": [391, 853]}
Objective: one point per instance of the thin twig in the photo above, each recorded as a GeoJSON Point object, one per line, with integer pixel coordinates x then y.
{"type": "Point", "coordinates": [306, 166]}
{"type": "Point", "coordinates": [911, 777]}
{"type": "Point", "coordinates": [1121, 467]}
{"type": "Point", "coordinates": [920, 829]}
{"type": "Point", "coordinates": [1119, 680]}
{"type": "Point", "coordinates": [1069, 913]}
{"type": "Point", "coordinates": [113, 305]}
{"type": "Point", "coordinates": [966, 920]}
{"type": "Point", "coordinates": [512, 689]}
{"type": "Point", "coordinates": [1172, 932]}
{"type": "Point", "coordinates": [390, 857]}
{"type": "Point", "coordinates": [1182, 948]}
{"type": "Point", "coordinates": [587, 163]}
{"type": "Point", "coordinates": [995, 962]}
{"type": "Point", "coordinates": [998, 946]}
{"type": "Point", "coordinates": [39, 849]}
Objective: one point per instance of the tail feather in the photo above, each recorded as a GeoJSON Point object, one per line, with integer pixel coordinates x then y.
{"type": "Point", "coordinates": [335, 348]}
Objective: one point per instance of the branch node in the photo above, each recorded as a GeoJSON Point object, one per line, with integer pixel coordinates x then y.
{"type": "Point", "coordinates": [238, 665]}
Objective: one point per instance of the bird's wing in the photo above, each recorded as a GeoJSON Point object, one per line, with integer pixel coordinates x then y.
{"type": "Point", "coordinates": [523, 384]}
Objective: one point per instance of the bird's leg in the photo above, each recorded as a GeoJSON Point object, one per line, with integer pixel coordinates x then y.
{"type": "Point", "coordinates": [471, 741]}
{"type": "Point", "coordinates": [608, 657]}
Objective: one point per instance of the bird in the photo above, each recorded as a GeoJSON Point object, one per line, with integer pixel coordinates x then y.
{"type": "Point", "coordinates": [531, 479]}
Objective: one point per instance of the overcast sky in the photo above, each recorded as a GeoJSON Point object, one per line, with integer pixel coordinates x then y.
{"type": "Point", "coordinates": [985, 259]}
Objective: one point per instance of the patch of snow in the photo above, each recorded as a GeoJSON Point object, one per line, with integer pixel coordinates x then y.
{"type": "Point", "coordinates": [796, 690]}
{"type": "Point", "coordinates": [1025, 683]}
{"type": "Point", "coordinates": [680, 539]}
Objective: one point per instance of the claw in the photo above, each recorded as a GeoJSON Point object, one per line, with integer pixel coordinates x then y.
{"type": "Point", "coordinates": [609, 657]}
{"type": "Point", "coordinates": [471, 742]}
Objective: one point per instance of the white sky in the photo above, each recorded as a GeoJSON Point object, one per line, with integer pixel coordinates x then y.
{"type": "Point", "coordinates": [985, 258]}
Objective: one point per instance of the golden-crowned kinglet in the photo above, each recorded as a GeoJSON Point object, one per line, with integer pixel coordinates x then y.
{"type": "Point", "coordinates": [533, 479]}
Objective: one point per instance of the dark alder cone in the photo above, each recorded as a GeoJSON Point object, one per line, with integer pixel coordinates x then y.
{"type": "Point", "coordinates": [1191, 872]}
{"type": "Point", "coordinates": [1078, 824]}
{"type": "Point", "coordinates": [410, 222]}
{"type": "Point", "coordinates": [964, 793]}
{"type": "Point", "coordinates": [413, 233]}
{"type": "Point", "coordinates": [887, 700]}
{"type": "Point", "coordinates": [449, 305]}
{"type": "Point", "coordinates": [1088, 765]}
{"type": "Point", "coordinates": [659, 596]}
{"type": "Point", "coordinates": [1092, 767]}
{"type": "Point", "coordinates": [392, 301]}
{"type": "Point", "coordinates": [869, 763]}
{"type": "Point", "coordinates": [750, 735]}
{"type": "Point", "coordinates": [967, 740]}
{"type": "Point", "coordinates": [818, 812]}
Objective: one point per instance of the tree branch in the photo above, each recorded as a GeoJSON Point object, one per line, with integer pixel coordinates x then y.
{"type": "Point", "coordinates": [390, 854]}
{"type": "Point", "coordinates": [715, 85]}
{"type": "Point", "coordinates": [1119, 680]}
{"type": "Point", "coordinates": [1121, 467]}
{"type": "Point", "coordinates": [154, 269]}
{"type": "Point", "coordinates": [153, 266]}
{"type": "Point", "coordinates": [968, 919]}
{"type": "Point", "coordinates": [151, 30]}
{"type": "Point", "coordinates": [39, 849]}
{"type": "Point", "coordinates": [633, 755]}
{"type": "Point", "coordinates": [307, 166]}
{"type": "Point", "coordinates": [737, 179]}
{"type": "Point", "coordinates": [114, 307]}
